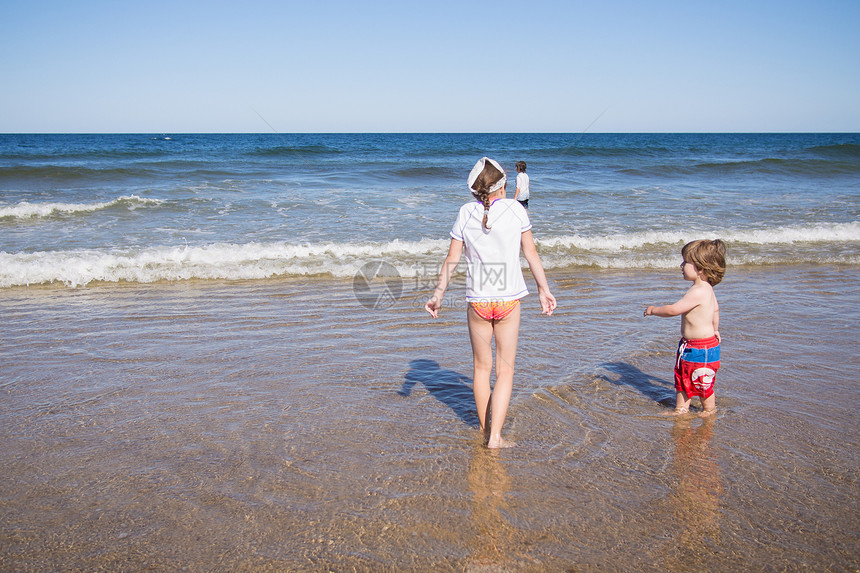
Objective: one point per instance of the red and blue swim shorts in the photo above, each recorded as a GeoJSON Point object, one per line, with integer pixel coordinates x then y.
{"type": "Point", "coordinates": [696, 366]}
{"type": "Point", "coordinates": [494, 310]}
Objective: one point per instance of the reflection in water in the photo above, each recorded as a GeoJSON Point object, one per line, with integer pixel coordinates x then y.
{"type": "Point", "coordinates": [493, 536]}
{"type": "Point", "coordinates": [696, 499]}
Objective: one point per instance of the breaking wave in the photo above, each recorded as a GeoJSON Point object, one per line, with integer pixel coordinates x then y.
{"type": "Point", "coordinates": [816, 244]}
{"type": "Point", "coordinates": [27, 210]}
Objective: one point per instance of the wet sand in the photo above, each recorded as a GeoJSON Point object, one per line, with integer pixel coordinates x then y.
{"type": "Point", "coordinates": [281, 425]}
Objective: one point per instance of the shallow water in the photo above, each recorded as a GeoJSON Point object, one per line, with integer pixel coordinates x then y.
{"type": "Point", "coordinates": [282, 425]}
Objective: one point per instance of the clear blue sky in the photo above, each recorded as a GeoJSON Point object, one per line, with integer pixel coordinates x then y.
{"type": "Point", "coordinates": [435, 66]}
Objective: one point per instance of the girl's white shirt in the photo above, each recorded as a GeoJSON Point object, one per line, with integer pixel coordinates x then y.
{"type": "Point", "coordinates": [493, 268]}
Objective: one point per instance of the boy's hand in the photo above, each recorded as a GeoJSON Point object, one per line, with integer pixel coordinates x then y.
{"type": "Point", "coordinates": [648, 311]}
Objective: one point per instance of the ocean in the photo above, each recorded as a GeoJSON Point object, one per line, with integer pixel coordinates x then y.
{"type": "Point", "coordinates": [79, 210]}
{"type": "Point", "coordinates": [215, 356]}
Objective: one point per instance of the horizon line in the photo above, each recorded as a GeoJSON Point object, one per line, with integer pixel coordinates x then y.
{"type": "Point", "coordinates": [159, 132]}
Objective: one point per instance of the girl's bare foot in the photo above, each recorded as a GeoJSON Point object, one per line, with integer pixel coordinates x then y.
{"type": "Point", "coordinates": [501, 443]}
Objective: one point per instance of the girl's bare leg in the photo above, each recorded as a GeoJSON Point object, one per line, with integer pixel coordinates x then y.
{"type": "Point", "coordinates": [507, 333]}
{"type": "Point", "coordinates": [481, 335]}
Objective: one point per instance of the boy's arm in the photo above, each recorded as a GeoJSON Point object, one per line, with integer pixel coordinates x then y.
{"type": "Point", "coordinates": [454, 251]}
{"type": "Point", "coordinates": [547, 300]}
{"type": "Point", "coordinates": [688, 302]}
{"type": "Point", "coordinates": [717, 320]}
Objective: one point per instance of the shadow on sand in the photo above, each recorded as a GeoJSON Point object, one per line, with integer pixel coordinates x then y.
{"type": "Point", "coordinates": [450, 388]}
{"type": "Point", "coordinates": [653, 388]}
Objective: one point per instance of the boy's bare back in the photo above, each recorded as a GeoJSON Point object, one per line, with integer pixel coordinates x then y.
{"type": "Point", "coordinates": [701, 320]}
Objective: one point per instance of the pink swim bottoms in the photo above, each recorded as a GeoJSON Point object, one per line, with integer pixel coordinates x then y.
{"type": "Point", "coordinates": [494, 310]}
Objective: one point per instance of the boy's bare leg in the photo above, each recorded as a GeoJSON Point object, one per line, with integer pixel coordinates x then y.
{"type": "Point", "coordinates": [682, 404]}
{"type": "Point", "coordinates": [709, 406]}
{"type": "Point", "coordinates": [507, 333]}
{"type": "Point", "coordinates": [481, 334]}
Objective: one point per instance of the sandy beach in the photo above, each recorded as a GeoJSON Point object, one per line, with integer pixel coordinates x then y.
{"type": "Point", "coordinates": [253, 426]}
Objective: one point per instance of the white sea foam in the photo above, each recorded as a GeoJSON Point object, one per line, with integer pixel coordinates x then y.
{"type": "Point", "coordinates": [650, 239]}
{"type": "Point", "coordinates": [27, 210]}
{"type": "Point", "coordinates": [217, 261]}
{"type": "Point", "coordinates": [840, 232]}
{"type": "Point", "coordinates": [803, 244]}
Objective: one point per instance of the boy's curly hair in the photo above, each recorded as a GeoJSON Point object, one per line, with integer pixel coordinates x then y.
{"type": "Point", "coordinates": [709, 257]}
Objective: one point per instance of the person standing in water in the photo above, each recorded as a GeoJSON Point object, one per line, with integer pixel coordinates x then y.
{"type": "Point", "coordinates": [522, 190]}
{"type": "Point", "coordinates": [491, 231]}
{"type": "Point", "coordinates": [698, 356]}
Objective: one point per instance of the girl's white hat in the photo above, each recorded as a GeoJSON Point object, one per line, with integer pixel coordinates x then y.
{"type": "Point", "coordinates": [479, 167]}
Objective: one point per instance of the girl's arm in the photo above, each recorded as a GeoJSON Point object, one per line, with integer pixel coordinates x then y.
{"type": "Point", "coordinates": [454, 252]}
{"type": "Point", "coordinates": [547, 301]}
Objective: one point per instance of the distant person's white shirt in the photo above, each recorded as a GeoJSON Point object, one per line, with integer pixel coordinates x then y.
{"type": "Point", "coordinates": [523, 186]}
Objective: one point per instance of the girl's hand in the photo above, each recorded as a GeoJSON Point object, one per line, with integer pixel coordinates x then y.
{"type": "Point", "coordinates": [547, 303]}
{"type": "Point", "coordinates": [433, 305]}
{"type": "Point", "coordinates": [648, 311]}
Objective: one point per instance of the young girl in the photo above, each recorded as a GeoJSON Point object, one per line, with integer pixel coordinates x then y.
{"type": "Point", "coordinates": [492, 230]}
